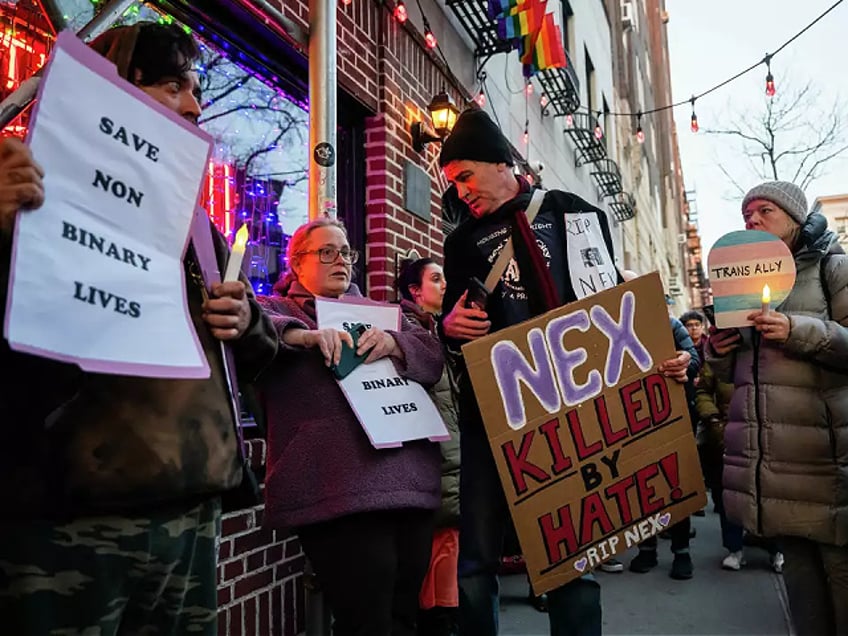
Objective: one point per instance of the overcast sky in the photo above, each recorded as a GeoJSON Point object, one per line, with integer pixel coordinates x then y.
{"type": "Point", "coordinates": [711, 41]}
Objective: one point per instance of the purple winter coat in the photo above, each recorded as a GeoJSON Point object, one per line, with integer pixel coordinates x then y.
{"type": "Point", "coordinates": [321, 465]}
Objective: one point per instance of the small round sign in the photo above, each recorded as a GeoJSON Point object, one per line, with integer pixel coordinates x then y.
{"type": "Point", "coordinates": [748, 270]}
{"type": "Point", "coordinates": [324, 155]}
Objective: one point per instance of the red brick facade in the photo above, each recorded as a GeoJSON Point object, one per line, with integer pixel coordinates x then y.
{"type": "Point", "coordinates": [260, 572]}
{"type": "Point", "coordinates": [386, 67]}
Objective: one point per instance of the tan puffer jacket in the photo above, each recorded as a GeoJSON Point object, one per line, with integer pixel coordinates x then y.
{"type": "Point", "coordinates": [786, 461]}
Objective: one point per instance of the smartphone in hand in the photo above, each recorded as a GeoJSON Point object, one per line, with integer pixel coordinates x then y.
{"type": "Point", "coordinates": [349, 360]}
{"type": "Point", "coordinates": [478, 295]}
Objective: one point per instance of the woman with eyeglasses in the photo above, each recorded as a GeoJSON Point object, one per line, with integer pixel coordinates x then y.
{"type": "Point", "coordinates": [364, 516]}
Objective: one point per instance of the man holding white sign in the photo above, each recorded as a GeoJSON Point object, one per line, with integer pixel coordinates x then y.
{"type": "Point", "coordinates": [110, 481]}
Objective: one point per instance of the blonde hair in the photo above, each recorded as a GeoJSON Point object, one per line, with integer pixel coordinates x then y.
{"type": "Point", "coordinates": [297, 243]}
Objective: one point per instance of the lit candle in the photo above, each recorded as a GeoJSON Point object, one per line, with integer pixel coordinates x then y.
{"type": "Point", "coordinates": [766, 298]}
{"type": "Point", "coordinates": [237, 255]}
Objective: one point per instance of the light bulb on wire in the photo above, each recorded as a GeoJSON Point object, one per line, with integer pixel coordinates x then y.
{"type": "Point", "coordinates": [770, 89]}
{"type": "Point", "coordinates": [599, 132]}
{"type": "Point", "coordinates": [569, 121]}
{"type": "Point", "coordinates": [480, 100]}
{"type": "Point", "coordinates": [640, 134]}
{"type": "Point", "coordinates": [528, 89]}
{"type": "Point", "coordinates": [544, 101]}
{"type": "Point", "coordinates": [400, 13]}
{"type": "Point", "coordinates": [430, 39]}
{"type": "Point", "coordinates": [693, 125]}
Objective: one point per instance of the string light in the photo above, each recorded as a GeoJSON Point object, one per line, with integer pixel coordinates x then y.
{"type": "Point", "coordinates": [430, 39]}
{"type": "Point", "coordinates": [599, 132]}
{"type": "Point", "coordinates": [528, 88]}
{"type": "Point", "coordinates": [480, 100]}
{"type": "Point", "coordinates": [640, 134]}
{"type": "Point", "coordinates": [770, 90]}
{"type": "Point", "coordinates": [400, 13]}
{"type": "Point", "coordinates": [569, 121]}
{"type": "Point", "coordinates": [347, 3]}
{"type": "Point", "coordinates": [693, 126]}
{"type": "Point", "coordinates": [770, 87]}
{"type": "Point", "coordinates": [526, 136]}
{"type": "Point", "coordinates": [544, 101]}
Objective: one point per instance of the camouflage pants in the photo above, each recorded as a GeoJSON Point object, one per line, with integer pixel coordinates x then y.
{"type": "Point", "coordinates": [100, 576]}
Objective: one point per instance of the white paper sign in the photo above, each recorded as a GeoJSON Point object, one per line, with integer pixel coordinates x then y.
{"type": "Point", "coordinates": [391, 409]}
{"type": "Point", "coordinates": [589, 262]}
{"type": "Point", "coordinates": [97, 273]}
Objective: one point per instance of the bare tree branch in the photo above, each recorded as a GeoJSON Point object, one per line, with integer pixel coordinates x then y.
{"type": "Point", "coordinates": [735, 183]}
{"type": "Point", "coordinates": [794, 134]}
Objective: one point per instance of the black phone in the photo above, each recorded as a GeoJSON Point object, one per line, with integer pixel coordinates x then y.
{"type": "Point", "coordinates": [349, 360]}
{"type": "Point", "coordinates": [709, 312]}
{"type": "Point", "coordinates": [477, 294]}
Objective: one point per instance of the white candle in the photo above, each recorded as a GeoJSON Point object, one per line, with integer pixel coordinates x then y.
{"type": "Point", "coordinates": [766, 298]}
{"type": "Point", "coordinates": [236, 255]}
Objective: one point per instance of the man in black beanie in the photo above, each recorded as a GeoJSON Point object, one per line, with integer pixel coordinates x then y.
{"type": "Point", "coordinates": [564, 254]}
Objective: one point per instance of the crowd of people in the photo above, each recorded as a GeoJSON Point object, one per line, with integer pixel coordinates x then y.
{"type": "Point", "coordinates": [113, 485]}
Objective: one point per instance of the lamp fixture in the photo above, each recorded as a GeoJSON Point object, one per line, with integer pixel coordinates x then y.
{"type": "Point", "coordinates": [443, 114]}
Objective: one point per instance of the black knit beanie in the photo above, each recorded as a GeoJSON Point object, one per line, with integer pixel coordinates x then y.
{"type": "Point", "coordinates": [475, 137]}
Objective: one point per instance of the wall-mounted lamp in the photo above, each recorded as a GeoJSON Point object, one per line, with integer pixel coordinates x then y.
{"type": "Point", "coordinates": [443, 113]}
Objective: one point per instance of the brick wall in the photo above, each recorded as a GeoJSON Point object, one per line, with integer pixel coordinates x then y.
{"type": "Point", "coordinates": [387, 67]}
{"type": "Point", "coordinates": [260, 572]}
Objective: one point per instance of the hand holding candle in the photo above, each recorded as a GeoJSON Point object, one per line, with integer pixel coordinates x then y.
{"type": "Point", "coordinates": [236, 255]}
{"type": "Point", "coordinates": [766, 299]}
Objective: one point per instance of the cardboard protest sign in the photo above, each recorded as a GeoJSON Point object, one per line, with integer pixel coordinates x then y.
{"type": "Point", "coordinates": [97, 277]}
{"type": "Point", "coordinates": [594, 447]}
{"type": "Point", "coordinates": [392, 409]}
{"type": "Point", "coordinates": [740, 265]}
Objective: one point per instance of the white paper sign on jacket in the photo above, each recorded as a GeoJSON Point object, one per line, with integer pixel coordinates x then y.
{"type": "Point", "coordinates": [590, 264]}
{"type": "Point", "coordinates": [97, 272]}
{"type": "Point", "coordinates": [391, 409]}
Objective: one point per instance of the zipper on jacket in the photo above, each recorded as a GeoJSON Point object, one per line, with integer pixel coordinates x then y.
{"type": "Point", "coordinates": [757, 412]}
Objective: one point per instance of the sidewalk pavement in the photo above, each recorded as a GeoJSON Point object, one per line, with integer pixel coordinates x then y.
{"type": "Point", "coordinates": [714, 602]}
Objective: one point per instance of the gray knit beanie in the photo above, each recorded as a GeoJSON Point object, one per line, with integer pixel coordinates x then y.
{"type": "Point", "coordinates": [787, 196]}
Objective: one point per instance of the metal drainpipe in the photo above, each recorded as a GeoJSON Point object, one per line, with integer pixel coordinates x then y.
{"type": "Point", "coordinates": [322, 108]}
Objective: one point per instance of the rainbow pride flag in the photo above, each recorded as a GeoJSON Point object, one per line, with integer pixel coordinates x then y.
{"type": "Point", "coordinates": [544, 49]}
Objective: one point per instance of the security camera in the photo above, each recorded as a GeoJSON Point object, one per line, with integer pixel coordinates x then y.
{"type": "Point", "coordinates": [537, 166]}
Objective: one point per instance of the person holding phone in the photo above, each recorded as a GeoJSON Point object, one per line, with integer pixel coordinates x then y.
{"type": "Point", "coordinates": [364, 516]}
{"type": "Point", "coordinates": [563, 254]}
{"type": "Point", "coordinates": [786, 441]}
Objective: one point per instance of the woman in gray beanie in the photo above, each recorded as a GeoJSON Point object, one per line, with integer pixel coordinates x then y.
{"type": "Point", "coordinates": [786, 457]}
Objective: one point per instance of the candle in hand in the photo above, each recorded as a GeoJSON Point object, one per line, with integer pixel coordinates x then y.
{"type": "Point", "coordinates": [237, 254]}
{"type": "Point", "coordinates": [766, 298]}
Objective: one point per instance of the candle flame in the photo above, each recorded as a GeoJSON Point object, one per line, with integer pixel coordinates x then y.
{"type": "Point", "coordinates": [241, 237]}
{"type": "Point", "coordinates": [766, 294]}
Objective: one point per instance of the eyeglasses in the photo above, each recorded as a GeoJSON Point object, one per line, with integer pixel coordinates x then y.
{"type": "Point", "coordinates": [328, 255]}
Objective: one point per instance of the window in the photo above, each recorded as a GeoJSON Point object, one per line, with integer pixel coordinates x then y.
{"type": "Point", "coordinates": [258, 172]}
{"type": "Point", "coordinates": [568, 39]}
{"type": "Point", "coordinates": [591, 101]}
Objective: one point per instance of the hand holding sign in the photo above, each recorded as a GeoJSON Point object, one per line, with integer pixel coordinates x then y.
{"type": "Point", "coordinates": [20, 181]}
{"type": "Point", "coordinates": [741, 265]}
